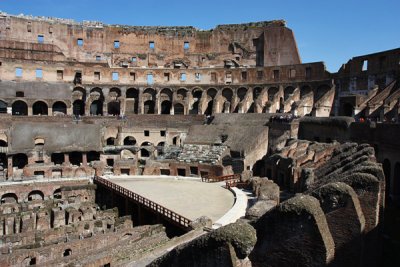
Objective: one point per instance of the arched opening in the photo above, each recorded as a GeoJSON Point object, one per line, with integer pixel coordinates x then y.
{"type": "Point", "coordinates": [241, 93]}
{"type": "Point", "coordinates": [175, 141]}
{"type": "Point", "coordinates": [251, 108]}
{"type": "Point", "coordinates": [93, 156]}
{"type": "Point", "coordinates": [19, 108]}
{"type": "Point", "coordinates": [113, 108]}
{"type": "Point", "coordinates": [35, 195]}
{"type": "Point", "coordinates": [40, 108]}
{"type": "Point", "coordinates": [166, 107]}
{"type": "Point", "coordinates": [20, 160]}
{"type": "Point", "coordinates": [227, 93]}
{"type": "Point", "coordinates": [67, 252]}
{"type": "Point", "coordinates": [149, 107]}
{"type": "Point", "coordinates": [79, 93]}
{"type": "Point", "coordinates": [78, 108]}
{"type": "Point", "coordinates": [396, 179]}
{"type": "Point", "coordinates": [179, 109]}
{"type": "Point", "coordinates": [181, 94]}
{"type": "Point", "coordinates": [387, 171]}
{"type": "Point", "coordinates": [3, 107]}
{"type": "Point", "coordinates": [57, 194]}
{"type": "Point", "coordinates": [271, 93]}
{"type": "Point", "coordinates": [288, 92]}
{"type": "Point", "coordinates": [197, 93]}
{"type": "Point", "coordinates": [160, 148]}
{"type": "Point", "coordinates": [129, 141]}
{"type": "Point", "coordinates": [256, 92]}
{"type": "Point", "coordinates": [348, 109]}
{"type": "Point", "coordinates": [132, 106]}
{"type": "Point", "coordinates": [145, 149]}
{"type": "Point", "coordinates": [321, 91]}
{"type": "Point", "coordinates": [305, 91]}
{"type": "Point", "coordinates": [3, 161]}
{"type": "Point", "coordinates": [96, 108]}
{"type": "Point", "coordinates": [115, 92]}
{"type": "Point", "coordinates": [59, 107]}
{"type": "Point", "coordinates": [166, 94]}
{"type": "Point", "coordinates": [209, 109]}
{"type": "Point", "coordinates": [9, 198]}
{"type": "Point", "coordinates": [75, 158]}
{"type": "Point", "coordinates": [3, 143]}
{"type": "Point", "coordinates": [212, 92]}
{"type": "Point", "coordinates": [111, 141]}
{"type": "Point", "coordinates": [57, 158]}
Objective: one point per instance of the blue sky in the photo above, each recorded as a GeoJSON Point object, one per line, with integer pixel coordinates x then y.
{"type": "Point", "coordinates": [329, 31]}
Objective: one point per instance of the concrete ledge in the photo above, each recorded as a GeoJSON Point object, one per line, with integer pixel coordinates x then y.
{"type": "Point", "coordinates": [236, 212]}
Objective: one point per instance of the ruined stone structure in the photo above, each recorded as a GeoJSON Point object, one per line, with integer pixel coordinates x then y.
{"type": "Point", "coordinates": [83, 100]}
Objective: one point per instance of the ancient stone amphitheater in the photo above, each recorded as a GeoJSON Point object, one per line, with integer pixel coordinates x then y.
{"type": "Point", "coordinates": [288, 164]}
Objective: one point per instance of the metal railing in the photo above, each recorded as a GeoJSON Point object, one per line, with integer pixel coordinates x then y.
{"type": "Point", "coordinates": [216, 179]}
{"type": "Point", "coordinates": [168, 214]}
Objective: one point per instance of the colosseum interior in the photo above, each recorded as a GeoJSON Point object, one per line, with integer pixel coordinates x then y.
{"type": "Point", "coordinates": [110, 135]}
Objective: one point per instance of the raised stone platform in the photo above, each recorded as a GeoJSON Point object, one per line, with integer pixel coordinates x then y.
{"type": "Point", "coordinates": [188, 197]}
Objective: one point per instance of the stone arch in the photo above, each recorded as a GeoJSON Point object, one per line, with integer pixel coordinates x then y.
{"type": "Point", "coordinates": [67, 252]}
{"type": "Point", "coordinates": [241, 93]}
{"type": "Point", "coordinates": [256, 92]}
{"type": "Point", "coordinates": [93, 156]}
{"type": "Point", "coordinates": [166, 94]}
{"type": "Point", "coordinates": [272, 91]}
{"type": "Point", "coordinates": [197, 93]}
{"type": "Point", "coordinates": [144, 149]}
{"type": "Point", "coordinates": [57, 194]}
{"type": "Point", "coordinates": [227, 93]}
{"type": "Point", "coordinates": [166, 107]}
{"type": "Point", "coordinates": [287, 92]}
{"type": "Point", "coordinates": [114, 108]}
{"type": "Point", "coordinates": [132, 101]}
{"type": "Point", "coordinates": [78, 107]}
{"type": "Point", "coordinates": [149, 98]}
{"type": "Point", "coordinates": [3, 106]}
{"type": "Point", "coordinates": [19, 108]}
{"type": "Point", "coordinates": [9, 198]}
{"type": "Point", "coordinates": [179, 109]}
{"type": "Point", "coordinates": [129, 141]}
{"type": "Point", "coordinates": [59, 107]}
{"type": "Point", "coordinates": [114, 92]}
{"type": "Point", "coordinates": [305, 91]}
{"type": "Point", "coordinates": [160, 148]}
{"type": "Point", "coordinates": [181, 94]}
{"type": "Point", "coordinates": [212, 92]}
{"type": "Point", "coordinates": [20, 160]}
{"type": "Point", "coordinates": [111, 141]}
{"type": "Point", "coordinates": [35, 195]}
{"type": "Point", "coordinates": [97, 97]}
{"type": "Point", "coordinates": [321, 91]}
{"type": "Point", "coordinates": [40, 108]}
{"type": "Point", "coordinates": [79, 93]}
{"type": "Point", "coordinates": [149, 107]}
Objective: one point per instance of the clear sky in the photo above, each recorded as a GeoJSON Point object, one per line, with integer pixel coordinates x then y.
{"type": "Point", "coordinates": [325, 30]}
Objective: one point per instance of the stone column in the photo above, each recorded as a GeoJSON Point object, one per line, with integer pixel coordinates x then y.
{"type": "Point", "coordinates": [9, 168]}
{"type": "Point", "coordinates": [66, 158]}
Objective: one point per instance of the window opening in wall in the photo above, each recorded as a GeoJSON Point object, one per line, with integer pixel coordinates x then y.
{"type": "Point", "coordinates": [18, 72]}
{"type": "Point", "coordinates": [260, 74]}
{"type": "Point", "coordinates": [166, 77]}
{"type": "Point", "coordinates": [181, 172]}
{"type": "Point", "coordinates": [292, 73]}
{"type": "Point", "coordinates": [194, 170]}
{"type": "Point", "coordinates": [39, 73]}
{"type": "Point", "coordinates": [132, 75]}
{"type": "Point", "coordinates": [79, 42]}
{"type": "Point", "coordinates": [228, 77]}
{"type": "Point", "coordinates": [151, 45]}
{"type": "Point", "coordinates": [19, 94]}
{"type": "Point", "coordinates": [29, 27]}
{"type": "Point", "coordinates": [183, 77]}
{"type": "Point", "coordinates": [365, 65]}
{"type": "Point", "coordinates": [213, 76]}
{"type": "Point", "coordinates": [197, 76]}
{"type": "Point", "coordinates": [244, 75]}
{"type": "Point", "coordinates": [110, 162]}
{"type": "Point", "coordinates": [308, 73]}
{"type": "Point", "coordinates": [150, 78]}
{"type": "Point", "coordinates": [40, 39]}
{"type": "Point", "coordinates": [116, 44]}
{"type": "Point", "coordinates": [98, 58]}
{"type": "Point", "coordinates": [186, 45]}
{"type": "Point", "coordinates": [78, 77]}
{"type": "Point", "coordinates": [60, 74]}
{"type": "Point", "coordinates": [276, 75]}
{"type": "Point", "coordinates": [162, 133]}
{"type": "Point", "coordinates": [146, 133]}
{"type": "Point", "coordinates": [115, 76]}
{"type": "Point", "coordinates": [50, 29]}
{"type": "Point", "coordinates": [97, 75]}
{"type": "Point", "coordinates": [203, 59]}
{"type": "Point", "coordinates": [134, 59]}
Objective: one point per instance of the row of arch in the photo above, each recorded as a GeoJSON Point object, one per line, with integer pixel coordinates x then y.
{"type": "Point", "coordinates": [20, 107]}
{"type": "Point", "coordinates": [33, 195]}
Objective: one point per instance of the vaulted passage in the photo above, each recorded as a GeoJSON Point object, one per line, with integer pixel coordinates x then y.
{"type": "Point", "coordinates": [59, 107]}
{"type": "Point", "coordinates": [179, 109]}
{"type": "Point", "coordinates": [114, 108]}
{"type": "Point", "coordinates": [96, 108]}
{"type": "Point", "coordinates": [166, 107]}
{"type": "Point", "coordinates": [39, 108]}
{"type": "Point", "coordinates": [3, 107]}
{"type": "Point", "coordinates": [149, 107]}
{"type": "Point", "coordinates": [78, 108]}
